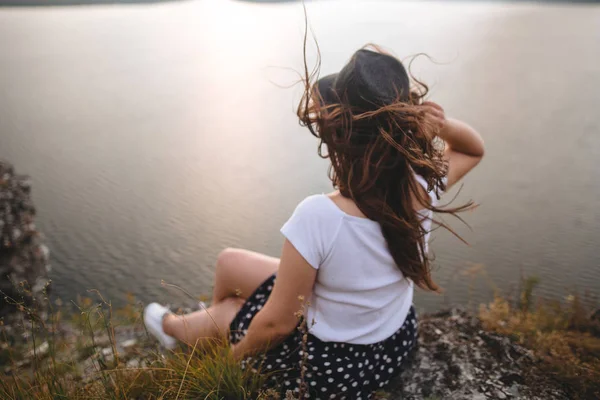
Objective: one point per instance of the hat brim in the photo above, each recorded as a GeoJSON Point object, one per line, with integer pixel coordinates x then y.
{"type": "Point", "coordinates": [326, 88]}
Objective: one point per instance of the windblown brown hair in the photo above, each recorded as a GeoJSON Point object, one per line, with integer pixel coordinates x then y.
{"type": "Point", "coordinates": [374, 157]}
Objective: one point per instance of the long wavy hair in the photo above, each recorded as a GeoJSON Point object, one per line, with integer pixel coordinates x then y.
{"type": "Point", "coordinates": [374, 156]}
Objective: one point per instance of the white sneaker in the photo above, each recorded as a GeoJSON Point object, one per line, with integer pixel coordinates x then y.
{"type": "Point", "coordinates": [154, 314]}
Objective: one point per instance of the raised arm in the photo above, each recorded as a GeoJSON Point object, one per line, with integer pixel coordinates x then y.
{"type": "Point", "coordinates": [464, 146]}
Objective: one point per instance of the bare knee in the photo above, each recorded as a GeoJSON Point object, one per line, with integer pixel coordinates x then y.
{"type": "Point", "coordinates": [226, 258]}
{"type": "Point", "coordinates": [224, 271]}
{"type": "Point", "coordinates": [228, 263]}
{"type": "Point", "coordinates": [239, 272]}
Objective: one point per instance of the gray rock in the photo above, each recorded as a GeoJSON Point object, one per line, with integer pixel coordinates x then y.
{"type": "Point", "coordinates": [128, 343]}
{"type": "Point", "coordinates": [23, 256]}
{"type": "Point", "coordinates": [107, 355]}
{"type": "Point", "coordinates": [457, 360]}
{"type": "Point", "coordinates": [133, 363]}
{"type": "Point", "coordinates": [87, 368]}
{"type": "Point", "coordinates": [40, 351]}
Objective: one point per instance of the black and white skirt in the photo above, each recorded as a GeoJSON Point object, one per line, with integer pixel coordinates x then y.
{"type": "Point", "coordinates": [334, 370]}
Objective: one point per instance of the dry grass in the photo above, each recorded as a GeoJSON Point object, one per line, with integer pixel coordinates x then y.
{"type": "Point", "coordinates": [210, 375]}
{"type": "Point", "coordinates": [75, 367]}
{"type": "Point", "coordinates": [562, 334]}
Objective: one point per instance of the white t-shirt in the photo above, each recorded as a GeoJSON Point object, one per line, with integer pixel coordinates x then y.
{"type": "Point", "coordinates": [360, 296]}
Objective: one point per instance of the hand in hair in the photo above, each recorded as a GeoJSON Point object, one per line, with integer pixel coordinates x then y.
{"type": "Point", "coordinates": [464, 146]}
{"type": "Point", "coordinates": [435, 115]}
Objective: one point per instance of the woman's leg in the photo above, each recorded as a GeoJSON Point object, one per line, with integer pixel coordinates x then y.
{"type": "Point", "coordinates": [238, 274]}
{"type": "Point", "coordinates": [212, 323]}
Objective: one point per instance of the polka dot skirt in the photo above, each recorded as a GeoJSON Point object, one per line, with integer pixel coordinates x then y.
{"type": "Point", "coordinates": [334, 370]}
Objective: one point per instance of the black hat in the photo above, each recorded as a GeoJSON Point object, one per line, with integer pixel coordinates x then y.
{"type": "Point", "coordinates": [368, 81]}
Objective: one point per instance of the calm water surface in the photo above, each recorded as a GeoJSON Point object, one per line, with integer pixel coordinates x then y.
{"type": "Point", "coordinates": [158, 134]}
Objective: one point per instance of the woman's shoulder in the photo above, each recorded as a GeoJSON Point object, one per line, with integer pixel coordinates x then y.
{"type": "Point", "coordinates": [313, 224]}
{"type": "Point", "coordinates": [318, 210]}
{"type": "Point", "coordinates": [316, 204]}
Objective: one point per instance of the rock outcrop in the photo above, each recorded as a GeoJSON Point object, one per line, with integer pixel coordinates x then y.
{"type": "Point", "coordinates": [23, 256]}
{"type": "Point", "coordinates": [459, 360]}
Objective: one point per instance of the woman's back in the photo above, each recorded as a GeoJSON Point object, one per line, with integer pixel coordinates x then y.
{"type": "Point", "coordinates": [360, 296]}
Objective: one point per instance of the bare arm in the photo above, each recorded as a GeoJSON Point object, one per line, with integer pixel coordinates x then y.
{"type": "Point", "coordinates": [278, 318]}
{"type": "Point", "coordinates": [464, 149]}
{"type": "Point", "coordinates": [464, 146]}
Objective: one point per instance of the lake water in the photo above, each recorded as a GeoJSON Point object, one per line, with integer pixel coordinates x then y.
{"type": "Point", "coordinates": [157, 134]}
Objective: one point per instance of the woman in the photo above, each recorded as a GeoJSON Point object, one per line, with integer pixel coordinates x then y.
{"type": "Point", "coordinates": [350, 258]}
